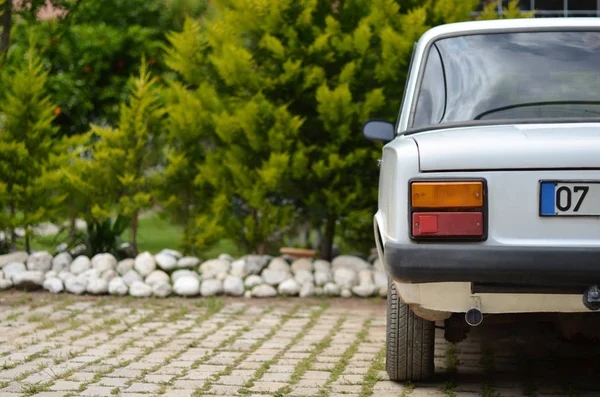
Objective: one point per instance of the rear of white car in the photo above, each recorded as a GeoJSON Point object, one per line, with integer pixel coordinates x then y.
{"type": "Point", "coordinates": [490, 209]}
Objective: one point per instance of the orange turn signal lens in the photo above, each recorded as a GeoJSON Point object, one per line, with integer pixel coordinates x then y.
{"type": "Point", "coordinates": [447, 194]}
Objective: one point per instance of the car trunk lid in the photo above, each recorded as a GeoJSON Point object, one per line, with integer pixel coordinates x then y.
{"type": "Point", "coordinates": [505, 147]}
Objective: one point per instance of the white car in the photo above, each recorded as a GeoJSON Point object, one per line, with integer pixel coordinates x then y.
{"type": "Point", "coordinates": [489, 190]}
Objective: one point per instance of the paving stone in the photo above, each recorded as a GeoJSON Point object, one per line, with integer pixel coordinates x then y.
{"type": "Point", "coordinates": [61, 385]}
{"type": "Point", "coordinates": [97, 391]}
{"type": "Point", "coordinates": [143, 387]}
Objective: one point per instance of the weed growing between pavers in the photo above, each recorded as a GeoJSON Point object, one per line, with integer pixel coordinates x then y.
{"type": "Point", "coordinates": [260, 371]}
{"type": "Point", "coordinates": [487, 362]}
{"type": "Point", "coordinates": [341, 365]}
{"type": "Point", "coordinates": [452, 362]}
{"type": "Point", "coordinates": [304, 364]}
{"type": "Point", "coordinates": [372, 375]}
{"type": "Point", "coordinates": [29, 389]}
{"type": "Point", "coordinates": [227, 371]}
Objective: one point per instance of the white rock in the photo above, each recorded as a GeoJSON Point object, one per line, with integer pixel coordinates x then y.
{"type": "Point", "coordinates": [117, 286]}
{"type": "Point", "coordinates": [187, 286]}
{"type": "Point", "coordinates": [380, 279]}
{"type": "Point", "coordinates": [364, 290]}
{"type": "Point", "coordinates": [130, 277]}
{"type": "Point", "coordinates": [323, 277]}
{"type": "Point", "coordinates": [289, 287]}
{"type": "Point", "coordinates": [331, 289]}
{"type": "Point", "coordinates": [54, 285]}
{"type": "Point", "coordinates": [350, 262]}
{"type": "Point", "coordinates": [318, 291]}
{"type": "Point", "coordinates": [157, 277]}
{"type": "Point", "coordinates": [12, 269]}
{"type": "Point", "coordinates": [378, 266]}
{"type": "Point", "coordinates": [109, 275]}
{"type": "Point", "coordinates": [255, 263]}
{"type": "Point", "coordinates": [321, 265]}
{"type": "Point", "coordinates": [275, 277]}
{"type": "Point", "coordinates": [264, 291]}
{"type": "Point", "coordinates": [165, 261]}
{"type": "Point", "coordinates": [188, 262]}
{"type": "Point", "coordinates": [346, 293]}
{"type": "Point", "coordinates": [383, 292]}
{"type": "Point", "coordinates": [104, 262]}
{"type": "Point", "coordinates": [247, 294]}
{"type": "Point", "coordinates": [252, 281]}
{"type": "Point", "coordinates": [1, 275]}
{"type": "Point", "coordinates": [5, 284]}
{"type": "Point", "coordinates": [78, 250]}
{"type": "Point", "coordinates": [19, 256]}
{"type": "Point", "coordinates": [162, 290]}
{"type": "Point", "coordinates": [50, 274]}
{"type": "Point", "coordinates": [365, 277]}
{"type": "Point", "coordinates": [140, 290]}
{"type": "Point", "coordinates": [97, 286]}
{"type": "Point", "coordinates": [233, 286]}
{"type": "Point", "coordinates": [75, 285]}
{"type": "Point", "coordinates": [221, 276]}
{"type": "Point", "coordinates": [307, 290]}
{"type": "Point", "coordinates": [80, 265]}
{"type": "Point", "coordinates": [213, 267]}
{"type": "Point", "coordinates": [30, 279]}
{"type": "Point", "coordinates": [170, 252]}
{"type": "Point", "coordinates": [225, 257]}
{"type": "Point", "coordinates": [279, 264]}
{"type": "Point", "coordinates": [39, 261]}
{"type": "Point", "coordinates": [90, 274]}
{"type": "Point", "coordinates": [302, 264]}
{"type": "Point", "coordinates": [62, 247]}
{"type": "Point", "coordinates": [304, 277]}
{"type": "Point", "coordinates": [61, 262]}
{"type": "Point", "coordinates": [125, 265]}
{"type": "Point", "coordinates": [65, 275]}
{"type": "Point", "coordinates": [345, 278]}
{"type": "Point", "coordinates": [177, 274]}
{"type": "Point", "coordinates": [144, 264]}
{"type": "Point", "coordinates": [211, 287]}
{"type": "Point", "coordinates": [238, 268]}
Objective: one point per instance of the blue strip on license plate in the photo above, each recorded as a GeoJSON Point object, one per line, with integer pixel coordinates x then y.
{"type": "Point", "coordinates": [548, 195]}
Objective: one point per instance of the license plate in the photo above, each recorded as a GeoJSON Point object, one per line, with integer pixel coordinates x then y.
{"type": "Point", "coordinates": [562, 198]}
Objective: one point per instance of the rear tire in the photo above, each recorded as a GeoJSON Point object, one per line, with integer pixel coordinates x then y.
{"type": "Point", "coordinates": [410, 341]}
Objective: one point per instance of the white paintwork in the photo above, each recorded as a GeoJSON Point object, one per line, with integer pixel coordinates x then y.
{"type": "Point", "coordinates": [510, 147]}
{"type": "Point", "coordinates": [481, 26]}
{"type": "Point", "coordinates": [512, 159]}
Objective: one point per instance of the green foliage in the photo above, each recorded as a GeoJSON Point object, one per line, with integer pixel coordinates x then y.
{"type": "Point", "coordinates": [105, 236]}
{"type": "Point", "coordinates": [511, 11]}
{"type": "Point", "coordinates": [26, 144]}
{"type": "Point", "coordinates": [91, 53]}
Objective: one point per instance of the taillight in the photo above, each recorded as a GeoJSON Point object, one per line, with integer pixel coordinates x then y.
{"type": "Point", "coordinates": [448, 209]}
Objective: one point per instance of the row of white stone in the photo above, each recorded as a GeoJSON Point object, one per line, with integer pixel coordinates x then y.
{"type": "Point", "coordinates": [168, 272]}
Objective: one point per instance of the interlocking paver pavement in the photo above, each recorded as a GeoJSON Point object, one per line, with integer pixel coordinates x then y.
{"type": "Point", "coordinates": [60, 346]}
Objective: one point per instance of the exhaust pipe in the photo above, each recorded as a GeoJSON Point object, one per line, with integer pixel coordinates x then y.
{"type": "Point", "coordinates": [473, 316]}
{"type": "Point", "coordinates": [591, 298]}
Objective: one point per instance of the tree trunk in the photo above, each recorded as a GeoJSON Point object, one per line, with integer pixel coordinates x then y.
{"type": "Point", "coordinates": [6, 26]}
{"type": "Point", "coordinates": [134, 229]}
{"type": "Point", "coordinates": [13, 236]}
{"type": "Point", "coordinates": [327, 241]}
{"type": "Point", "coordinates": [27, 240]}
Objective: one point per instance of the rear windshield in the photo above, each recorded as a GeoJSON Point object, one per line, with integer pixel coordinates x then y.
{"type": "Point", "coordinates": [511, 76]}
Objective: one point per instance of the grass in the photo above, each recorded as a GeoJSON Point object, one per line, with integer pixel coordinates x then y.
{"type": "Point", "coordinates": [372, 375]}
{"type": "Point", "coordinates": [155, 233]}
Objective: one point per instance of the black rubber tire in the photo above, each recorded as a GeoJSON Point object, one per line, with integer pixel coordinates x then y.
{"type": "Point", "coordinates": [410, 341]}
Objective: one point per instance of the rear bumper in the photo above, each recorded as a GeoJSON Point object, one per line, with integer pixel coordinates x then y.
{"type": "Point", "coordinates": [535, 266]}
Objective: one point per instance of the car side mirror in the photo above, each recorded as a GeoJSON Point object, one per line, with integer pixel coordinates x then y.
{"type": "Point", "coordinates": [379, 130]}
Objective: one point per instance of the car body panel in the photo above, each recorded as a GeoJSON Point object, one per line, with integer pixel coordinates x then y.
{"type": "Point", "coordinates": [531, 146]}
{"type": "Point", "coordinates": [513, 159]}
